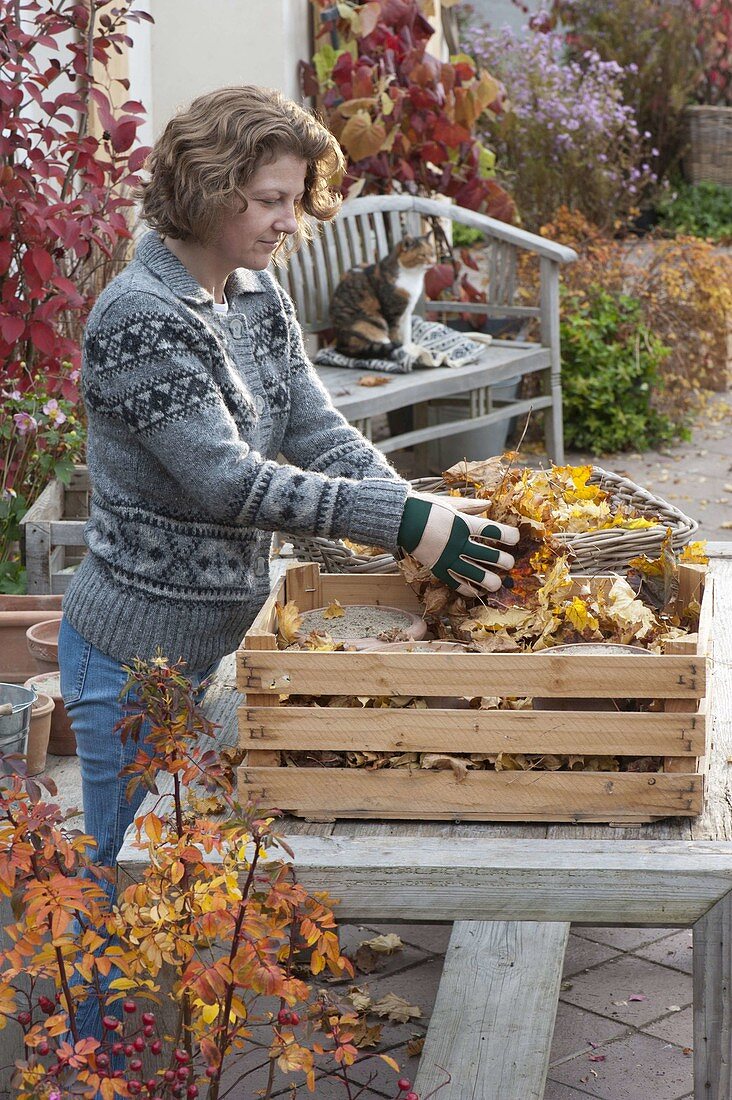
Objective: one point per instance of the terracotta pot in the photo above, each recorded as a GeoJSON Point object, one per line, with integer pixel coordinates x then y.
{"type": "Point", "coordinates": [42, 641]}
{"type": "Point", "coordinates": [61, 741]}
{"type": "Point", "coordinates": [17, 613]}
{"type": "Point", "coordinates": [434, 702]}
{"type": "Point", "coordinates": [39, 733]}
{"type": "Point", "coordinates": [588, 649]}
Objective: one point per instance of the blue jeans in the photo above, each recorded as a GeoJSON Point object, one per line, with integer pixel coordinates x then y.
{"type": "Point", "coordinates": [91, 685]}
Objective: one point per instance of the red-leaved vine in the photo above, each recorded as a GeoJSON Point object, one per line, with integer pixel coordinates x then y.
{"type": "Point", "coordinates": [65, 191]}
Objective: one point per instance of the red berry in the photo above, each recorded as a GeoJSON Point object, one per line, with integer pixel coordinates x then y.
{"type": "Point", "coordinates": [182, 1073]}
{"type": "Point", "coordinates": [169, 1075]}
{"type": "Point", "coordinates": [284, 1016]}
{"type": "Point", "coordinates": [411, 1096]}
{"type": "Point", "coordinates": [148, 1030]}
{"type": "Point", "coordinates": [139, 1044]}
{"type": "Point", "coordinates": [134, 1086]}
{"type": "Point", "coordinates": [404, 1084]}
{"type": "Point", "coordinates": [118, 1048]}
{"type": "Point", "coordinates": [129, 1007]}
{"type": "Point", "coordinates": [181, 1056]}
{"type": "Point", "coordinates": [24, 1018]}
{"type": "Point", "coordinates": [192, 1092]}
{"type": "Point", "coordinates": [151, 1085]}
{"type": "Point", "coordinates": [46, 1005]}
{"type": "Point", "coordinates": [129, 1050]}
{"type": "Point", "coordinates": [294, 1019]}
{"type": "Point", "coordinates": [211, 1071]}
{"type": "Point", "coordinates": [156, 1047]}
{"type": "Point", "coordinates": [110, 1023]}
{"type": "Point", "coordinates": [102, 1060]}
{"type": "Point", "coordinates": [118, 1073]}
{"type": "Point", "coordinates": [148, 1018]}
{"type": "Point", "coordinates": [42, 1047]}
{"type": "Point", "coordinates": [135, 1065]}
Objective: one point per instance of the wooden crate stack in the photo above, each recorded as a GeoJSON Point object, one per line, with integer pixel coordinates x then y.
{"type": "Point", "coordinates": [53, 534]}
{"type": "Point", "coordinates": [264, 673]}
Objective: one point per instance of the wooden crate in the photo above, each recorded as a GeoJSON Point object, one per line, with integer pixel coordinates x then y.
{"type": "Point", "coordinates": [53, 534]}
{"type": "Point", "coordinates": [263, 672]}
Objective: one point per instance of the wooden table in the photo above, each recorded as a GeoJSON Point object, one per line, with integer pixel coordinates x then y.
{"type": "Point", "coordinates": [513, 890]}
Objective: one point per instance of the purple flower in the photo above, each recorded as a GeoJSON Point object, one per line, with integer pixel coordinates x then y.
{"type": "Point", "coordinates": [53, 412]}
{"type": "Point", "coordinates": [25, 423]}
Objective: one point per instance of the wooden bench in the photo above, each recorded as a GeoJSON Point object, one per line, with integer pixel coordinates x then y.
{"type": "Point", "coordinates": [365, 230]}
{"type": "Point", "coordinates": [513, 890]}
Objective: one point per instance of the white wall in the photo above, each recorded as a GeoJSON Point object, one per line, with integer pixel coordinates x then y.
{"type": "Point", "coordinates": [195, 46]}
{"type": "Point", "coordinates": [501, 13]}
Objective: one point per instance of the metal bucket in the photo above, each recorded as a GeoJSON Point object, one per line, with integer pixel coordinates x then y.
{"type": "Point", "coordinates": [14, 725]}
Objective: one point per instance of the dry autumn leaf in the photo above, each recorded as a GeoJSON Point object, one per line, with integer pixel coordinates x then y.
{"type": "Point", "coordinates": [373, 380]}
{"type": "Point", "coordinates": [334, 610]}
{"type": "Point", "coordinates": [289, 621]}
{"type": "Point", "coordinates": [396, 1009]}
{"type": "Point", "coordinates": [385, 944]}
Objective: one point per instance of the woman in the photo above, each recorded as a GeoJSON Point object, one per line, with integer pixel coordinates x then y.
{"type": "Point", "coordinates": [195, 379]}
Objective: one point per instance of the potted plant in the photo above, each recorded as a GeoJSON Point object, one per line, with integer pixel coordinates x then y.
{"type": "Point", "coordinates": [709, 158]}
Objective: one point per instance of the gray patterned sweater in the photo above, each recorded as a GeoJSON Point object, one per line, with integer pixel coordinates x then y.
{"type": "Point", "coordinates": [187, 411]}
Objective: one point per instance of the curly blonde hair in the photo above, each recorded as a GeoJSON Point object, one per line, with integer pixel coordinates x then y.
{"type": "Point", "coordinates": [206, 155]}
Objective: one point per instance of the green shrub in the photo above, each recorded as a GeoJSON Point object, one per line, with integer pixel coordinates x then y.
{"type": "Point", "coordinates": [610, 362]}
{"type": "Point", "coordinates": [463, 236]}
{"type": "Point", "coordinates": [704, 210]}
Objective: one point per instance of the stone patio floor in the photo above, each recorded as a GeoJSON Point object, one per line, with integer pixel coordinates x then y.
{"type": "Point", "coordinates": [624, 1025]}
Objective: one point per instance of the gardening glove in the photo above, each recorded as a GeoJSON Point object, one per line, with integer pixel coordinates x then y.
{"type": "Point", "coordinates": [438, 536]}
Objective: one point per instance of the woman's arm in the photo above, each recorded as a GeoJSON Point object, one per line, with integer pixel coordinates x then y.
{"type": "Point", "coordinates": [145, 373]}
{"type": "Point", "coordinates": [317, 436]}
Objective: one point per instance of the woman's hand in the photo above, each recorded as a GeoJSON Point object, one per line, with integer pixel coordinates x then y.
{"type": "Point", "coordinates": [441, 533]}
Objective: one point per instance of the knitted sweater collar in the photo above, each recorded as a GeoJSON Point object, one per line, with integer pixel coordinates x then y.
{"type": "Point", "coordinates": [167, 267]}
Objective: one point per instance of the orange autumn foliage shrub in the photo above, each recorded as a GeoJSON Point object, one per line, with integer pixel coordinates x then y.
{"type": "Point", "coordinates": [217, 903]}
{"type": "Point", "coordinates": [684, 287]}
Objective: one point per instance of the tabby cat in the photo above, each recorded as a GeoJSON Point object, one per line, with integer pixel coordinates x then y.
{"type": "Point", "coordinates": [372, 306]}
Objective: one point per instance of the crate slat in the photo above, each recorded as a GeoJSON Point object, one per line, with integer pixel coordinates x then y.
{"type": "Point", "coordinates": [343, 729]}
{"type": "Point", "coordinates": [467, 674]}
{"type": "Point", "coordinates": [509, 796]}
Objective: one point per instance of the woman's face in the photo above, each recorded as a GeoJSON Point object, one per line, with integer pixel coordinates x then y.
{"type": "Point", "coordinates": [249, 237]}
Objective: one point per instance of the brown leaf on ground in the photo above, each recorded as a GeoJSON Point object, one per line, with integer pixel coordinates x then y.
{"type": "Point", "coordinates": [415, 1046]}
{"type": "Point", "coordinates": [334, 610]}
{"type": "Point", "coordinates": [365, 1035]}
{"type": "Point", "coordinates": [396, 1009]}
{"type": "Point", "coordinates": [384, 944]}
{"type": "Point", "coordinates": [366, 960]}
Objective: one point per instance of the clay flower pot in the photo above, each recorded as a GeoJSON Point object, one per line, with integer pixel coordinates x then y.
{"type": "Point", "coordinates": [17, 613]}
{"type": "Point", "coordinates": [588, 649]}
{"type": "Point", "coordinates": [61, 741]}
{"type": "Point", "coordinates": [42, 641]}
{"type": "Point", "coordinates": [39, 733]}
{"type": "Point", "coordinates": [434, 702]}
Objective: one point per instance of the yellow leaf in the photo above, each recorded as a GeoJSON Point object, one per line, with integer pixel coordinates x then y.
{"type": "Point", "coordinates": [361, 137]}
{"type": "Point", "coordinates": [154, 828]}
{"type": "Point", "coordinates": [579, 615]}
{"type": "Point", "coordinates": [289, 621]}
{"type": "Point", "coordinates": [695, 552]}
{"type": "Point", "coordinates": [334, 610]}
{"type": "Point", "coordinates": [385, 1057]}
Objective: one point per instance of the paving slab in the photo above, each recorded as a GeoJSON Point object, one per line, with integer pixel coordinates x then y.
{"type": "Point", "coordinates": [624, 939]}
{"type": "Point", "coordinates": [578, 1031]}
{"type": "Point", "coordinates": [636, 1066]}
{"type": "Point", "coordinates": [676, 1028]}
{"type": "Point", "coordinates": [608, 990]}
{"type": "Point", "coordinates": [430, 936]}
{"type": "Point", "coordinates": [675, 951]}
{"type": "Point", "coordinates": [555, 1090]}
{"type": "Point", "coordinates": [583, 953]}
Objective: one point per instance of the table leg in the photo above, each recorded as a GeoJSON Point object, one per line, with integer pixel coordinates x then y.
{"type": "Point", "coordinates": [712, 1007]}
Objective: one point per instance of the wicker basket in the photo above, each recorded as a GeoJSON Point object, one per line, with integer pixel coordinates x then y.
{"type": "Point", "coordinates": [593, 550]}
{"type": "Point", "coordinates": [709, 158]}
